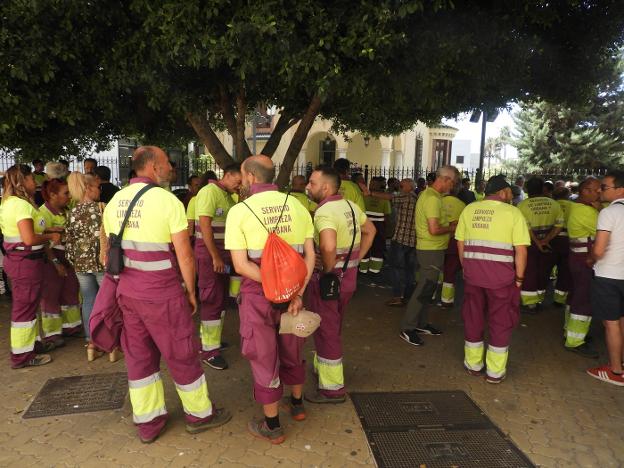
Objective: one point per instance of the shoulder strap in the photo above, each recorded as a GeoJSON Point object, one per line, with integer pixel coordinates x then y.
{"type": "Point", "coordinates": [348, 257]}
{"type": "Point", "coordinates": [131, 207]}
{"type": "Point", "coordinates": [278, 220]}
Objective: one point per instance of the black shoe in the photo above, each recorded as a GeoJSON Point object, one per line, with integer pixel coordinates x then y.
{"type": "Point", "coordinates": [216, 362]}
{"type": "Point", "coordinates": [411, 336]}
{"type": "Point", "coordinates": [584, 350]}
{"type": "Point", "coordinates": [428, 330]}
{"type": "Point", "coordinates": [318, 397]}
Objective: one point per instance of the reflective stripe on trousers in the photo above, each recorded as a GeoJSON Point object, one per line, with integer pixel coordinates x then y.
{"type": "Point", "coordinates": [473, 355]}
{"type": "Point", "coordinates": [448, 293]}
{"type": "Point", "coordinates": [23, 336]}
{"type": "Point", "coordinates": [330, 373]}
{"type": "Point", "coordinates": [577, 328]}
{"type": "Point", "coordinates": [211, 333]}
{"type": "Point", "coordinates": [195, 399]}
{"type": "Point", "coordinates": [147, 397]}
{"type": "Point", "coordinates": [496, 361]}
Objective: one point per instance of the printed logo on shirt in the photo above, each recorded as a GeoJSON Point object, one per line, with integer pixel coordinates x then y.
{"type": "Point", "coordinates": [219, 212]}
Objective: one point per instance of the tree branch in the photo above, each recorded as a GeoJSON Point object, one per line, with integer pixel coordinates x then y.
{"type": "Point", "coordinates": [307, 120]}
{"type": "Point", "coordinates": [242, 148]}
{"type": "Point", "coordinates": [226, 110]}
{"type": "Point", "coordinates": [210, 139]}
{"type": "Point", "coordinates": [283, 124]}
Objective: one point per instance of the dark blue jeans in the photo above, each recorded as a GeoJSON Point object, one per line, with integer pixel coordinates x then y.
{"type": "Point", "coordinates": [403, 268]}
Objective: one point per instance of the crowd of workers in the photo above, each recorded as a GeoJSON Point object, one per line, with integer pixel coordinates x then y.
{"type": "Point", "coordinates": [204, 251]}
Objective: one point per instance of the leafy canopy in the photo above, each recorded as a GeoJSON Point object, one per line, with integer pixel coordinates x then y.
{"type": "Point", "coordinates": [76, 73]}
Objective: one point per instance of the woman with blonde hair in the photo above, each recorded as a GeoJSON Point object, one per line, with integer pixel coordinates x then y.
{"type": "Point", "coordinates": [24, 239]}
{"type": "Point", "coordinates": [84, 247]}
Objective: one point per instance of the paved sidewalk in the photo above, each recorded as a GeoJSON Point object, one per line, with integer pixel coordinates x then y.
{"type": "Point", "coordinates": [554, 412]}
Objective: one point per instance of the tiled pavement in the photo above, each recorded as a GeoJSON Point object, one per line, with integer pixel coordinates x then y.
{"type": "Point", "coordinates": [554, 412]}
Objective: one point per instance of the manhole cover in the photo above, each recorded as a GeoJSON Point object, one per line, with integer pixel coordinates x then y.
{"type": "Point", "coordinates": [433, 429]}
{"type": "Point", "coordinates": [451, 409]}
{"type": "Point", "coordinates": [79, 394]}
{"type": "Point", "coordinates": [479, 448]}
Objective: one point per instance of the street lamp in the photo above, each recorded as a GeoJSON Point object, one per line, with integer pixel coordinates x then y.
{"type": "Point", "coordinates": [487, 117]}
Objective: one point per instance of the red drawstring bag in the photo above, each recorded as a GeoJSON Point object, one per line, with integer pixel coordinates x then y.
{"type": "Point", "coordinates": [282, 268]}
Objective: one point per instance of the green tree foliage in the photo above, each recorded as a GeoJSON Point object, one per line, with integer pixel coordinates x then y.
{"type": "Point", "coordinates": [587, 135]}
{"type": "Point", "coordinates": [75, 74]}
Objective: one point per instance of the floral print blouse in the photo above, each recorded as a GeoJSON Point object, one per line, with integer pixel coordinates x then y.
{"type": "Point", "coordinates": [82, 230]}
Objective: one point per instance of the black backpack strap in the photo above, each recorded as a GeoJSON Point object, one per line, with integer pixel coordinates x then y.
{"type": "Point", "coordinates": [133, 202]}
{"type": "Point", "coordinates": [348, 257]}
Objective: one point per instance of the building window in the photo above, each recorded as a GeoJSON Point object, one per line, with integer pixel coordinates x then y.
{"type": "Point", "coordinates": [418, 153]}
{"type": "Point", "coordinates": [459, 159]}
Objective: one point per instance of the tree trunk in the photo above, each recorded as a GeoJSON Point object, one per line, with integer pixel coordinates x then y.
{"type": "Point", "coordinates": [242, 148]}
{"type": "Point", "coordinates": [209, 138]}
{"type": "Point", "coordinates": [298, 140]}
{"type": "Point", "coordinates": [283, 124]}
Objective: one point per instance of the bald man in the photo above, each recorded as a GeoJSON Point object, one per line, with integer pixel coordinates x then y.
{"type": "Point", "coordinates": [275, 359]}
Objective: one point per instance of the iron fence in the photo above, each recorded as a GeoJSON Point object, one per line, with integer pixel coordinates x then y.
{"type": "Point", "coordinates": [186, 166]}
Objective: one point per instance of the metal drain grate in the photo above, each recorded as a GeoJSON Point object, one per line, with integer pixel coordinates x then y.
{"type": "Point", "coordinates": [442, 449]}
{"type": "Point", "coordinates": [433, 429]}
{"type": "Point", "coordinates": [79, 394]}
{"type": "Point", "coordinates": [418, 410]}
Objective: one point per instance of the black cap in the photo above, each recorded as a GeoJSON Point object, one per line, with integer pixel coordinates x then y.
{"type": "Point", "coordinates": [496, 183]}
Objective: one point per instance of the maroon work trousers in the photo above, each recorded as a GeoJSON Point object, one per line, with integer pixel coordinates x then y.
{"type": "Point", "coordinates": [579, 296]}
{"type": "Point", "coordinates": [154, 329]}
{"type": "Point", "coordinates": [26, 278]}
{"type": "Point", "coordinates": [328, 337]}
{"type": "Point", "coordinates": [537, 273]}
{"type": "Point", "coordinates": [499, 307]}
{"type": "Point", "coordinates": [276, 360]}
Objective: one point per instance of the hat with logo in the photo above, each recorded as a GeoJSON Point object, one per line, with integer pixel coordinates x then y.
{"type": "Point", "coordinates": [302, 325]}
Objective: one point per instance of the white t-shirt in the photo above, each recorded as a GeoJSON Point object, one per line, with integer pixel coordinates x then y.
{"type": "Point", "coordinates": [612, 219]}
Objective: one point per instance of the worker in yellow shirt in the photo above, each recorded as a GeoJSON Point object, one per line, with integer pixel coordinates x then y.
{"type": "Point", "coordinates": [156, 294]}
{"type": "Point", "coordinates": [561, 249]}
{"type": "Point", "coordinates": [342, 234]}
{"type": "Point", "coordinates": [545, 220]}
{"type": "Point", "coordinates": [348, 189]}
{"type": "Point", "coordinates": [276, 359]}
{"type": "Point", "coordinates": [492, 239]}
{"type": "Point", "coordinates": [214, 264]}
{"type": "Point", "coordinates": [298, 191]}
{"type": "Point", "coordinates": [24, 239]}
{"type": "Point", "coordinates": [377, 211]}
{"type": "Point", "coordinates": [582, 221]}
{"type": "Point", "coordinates": [453, 207]}
{"type": "Point", "coordinates": [432, 237]}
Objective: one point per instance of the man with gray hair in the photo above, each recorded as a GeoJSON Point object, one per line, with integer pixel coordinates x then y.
{"type": "Point", "coordinates": [432, 238]}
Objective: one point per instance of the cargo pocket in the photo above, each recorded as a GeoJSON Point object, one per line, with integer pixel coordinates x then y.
{"type": "Point", "coordinates": [248, 345]}
{"type": "Point", "coordinates": [184, 343]}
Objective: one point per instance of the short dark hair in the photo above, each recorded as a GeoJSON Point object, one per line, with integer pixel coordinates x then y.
{"type": "Point", "coordinates": [342, 166]}
{"type": "Point", "coordinates": [465, 179]}
{"type": "Point", "coordinates": [90, 160]}
{"type": "Point", "coordinates": [208, 176]}
{"type": "Point", "coordinates": [103, 172]}
{"type": "Point", "coordinates": [431, 177]}
{"type": "Point", "coordinates": [233, 168]}
{"type": "Point", "coordinates": [618, 177]}
{"type": "Point", "coordinates": [64, 162]}
{"type": "Point", "coordinates": [331, 174]}
{"type": "Point", "coordinates": [548, 185]}
{"type": "Point", "coordinates": [265, 174]}
{"type": "Point", "coordinates": [37, 161]}
{"type": "Point", "coordinates": [190, 179]}
{"type": "Point", "coordinates": [534, 186]}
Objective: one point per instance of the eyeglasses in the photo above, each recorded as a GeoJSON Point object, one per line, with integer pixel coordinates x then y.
{"type": "Point", "coordinates": [604, 187]}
